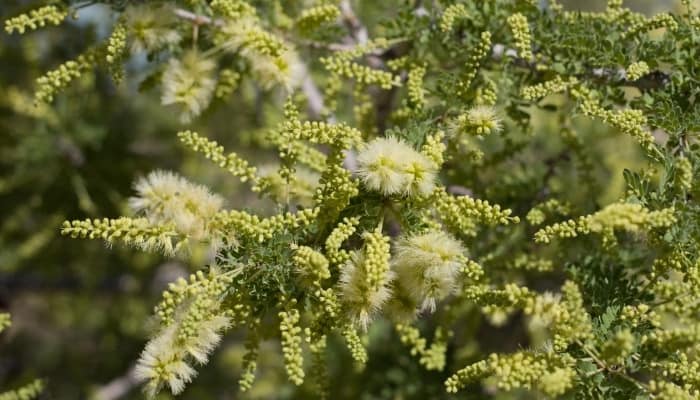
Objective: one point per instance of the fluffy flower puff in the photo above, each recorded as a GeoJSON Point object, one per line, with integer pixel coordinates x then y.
{"type": "Point", "coordinates": [273, 61]}
{"type": "Point", "coordinates": [165, 197]}
{"type": "Point", "coordinates": [206, 338]}
{"type": "Point", "coordinates": [150, 28]}
{"type": "Point", "coordinates": [403, 306]}
{"type": "Point", "coordinates": [361, 301]}
{"type": "Point", "coordinates": [392, 167]}
{"type": "Point", "coordinates": [544, 310]}
{"type": "Point", "coordinates": [285, 70]}
{"type": "Point", "coordinates": [189, 83]}
{"type": "Point", "coordinates": [426, 266]}
{"type": "Point", "coordinates": [161, 363]}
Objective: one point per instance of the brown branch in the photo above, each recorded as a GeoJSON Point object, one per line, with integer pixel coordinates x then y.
{"type": "Point", "coordinates": [357, 30]}
{"type": "Point", "coordinates": [314, 97]}
{"type": "Point", "coordinates": [459, 190]}
{"type": "Point", "coordinates": [325, 46]}
{"type": "Point", "coordinates": [196, 18]}
{"type": "Point", "coordinates": [118, 387]}
{"type": "Point", "coordinates": [651, 81]}
{"type": "Point", "coordinates": [615, 76]}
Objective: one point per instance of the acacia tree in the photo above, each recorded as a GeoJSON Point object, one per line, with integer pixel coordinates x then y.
{"type": "Point", "coordinates": [446, 168]}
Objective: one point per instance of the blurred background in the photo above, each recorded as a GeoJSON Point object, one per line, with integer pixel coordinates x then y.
{"type": "Point", "coordinates": [80, 310]}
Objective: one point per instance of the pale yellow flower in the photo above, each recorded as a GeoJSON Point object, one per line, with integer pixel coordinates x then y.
{"type": "Point", "coordinates": [392, 167]}
{"type": "Point", "coordinates": [426, 266]}
{"type": "Point", "coordinates": [189, 83]}
{"type": "Point", "coordinates": [164, 197]}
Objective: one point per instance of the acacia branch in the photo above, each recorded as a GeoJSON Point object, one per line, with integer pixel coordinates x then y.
{"type": "Point", "coordinates": [314, 97]}
{"type": "Point", "coordinates": [357, 29]}
{"type": "Point", "coordinates": [651, 81]}
{"type": "Point", "coordinates": [308, 86]}
{"type": "Point", "coordinates": [117, 388]}
{"type": "Point", "coordinates": [358, 32]}
{"type": "Point", "coordinates": [196, 18]}
{"type": "Point", "coordinates": [615, 76]}
{"type": "Point", "coordinates": [325, 46]}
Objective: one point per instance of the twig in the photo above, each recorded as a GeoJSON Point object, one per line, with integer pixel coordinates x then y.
{"type": "Point", "coordinates": [117, 388]}
{"type": "Point", "coordinates": [314, 97]}
{"type": "Point", "coordinates": [196, 18]}
{"type": "Point", "coordinates": [460, 190]}
{"type": "Point", "coordinates": [616, 76]}
{"type": "Point", "coordinates": [651, 81]}
{"type": "Point", "coordinates": [325, 46]}
{"type": "Point", "coordinates": [604, 367]}
{"type": "Point", "coordinates": [357, 30]}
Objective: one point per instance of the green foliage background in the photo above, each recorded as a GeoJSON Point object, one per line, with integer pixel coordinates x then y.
{"type": "Point", "coordinates": [78, 308]}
